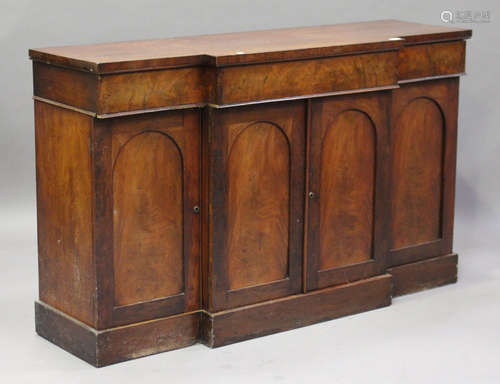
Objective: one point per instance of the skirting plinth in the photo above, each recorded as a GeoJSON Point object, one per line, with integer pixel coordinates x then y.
{"type": "Point", "coordinates": [109, 346]}
{"type": "Point", "coordinates": [425, 274]}
{"type": "Point", "coordinates": [274, 316]}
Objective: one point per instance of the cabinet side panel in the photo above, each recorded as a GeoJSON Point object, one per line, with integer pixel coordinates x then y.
{"type": "Point", "coordinates": [417, 174]}
{"type": "Point", "coordinates": [148, 237]}
{"type": "Point", "coordinates": [64, 190]}
{"type": "Point", "coordinates": [346, 191]}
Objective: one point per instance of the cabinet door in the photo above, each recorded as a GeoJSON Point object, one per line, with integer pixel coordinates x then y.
{"type": "Point", "coordinates": [423, 136]}
{"type": "Point", "coordinates": [347, 189]}
{"type": "Point", "coordinates": [152, 186]}
{"type": "Point", "coordinates": [256, 194]}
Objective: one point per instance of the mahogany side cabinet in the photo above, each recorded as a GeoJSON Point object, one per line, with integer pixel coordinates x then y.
{"type": "Point", "coordinates": [222, 187]}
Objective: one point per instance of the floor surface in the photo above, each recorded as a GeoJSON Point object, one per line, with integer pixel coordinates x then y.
{"type": "Point", "coordinates": [449, 334]}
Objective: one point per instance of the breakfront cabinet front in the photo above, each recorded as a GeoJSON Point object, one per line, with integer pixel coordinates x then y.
{"type": "Point", "coordinates": [219, 188]}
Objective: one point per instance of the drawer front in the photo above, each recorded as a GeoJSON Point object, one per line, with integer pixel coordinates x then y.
{"type": "Point", "coordinates": [427, 60]}
{"type": "Point", "coordinates": [123, 93]}
{"type": "Point", "coordinates": [239, 84]}
{"type": "Point", "coordinates": [347, 189]}
{"type": "Point", "coordinates": [166, 88]}
{"type": "Point", "coordinates": [423, 142]}
{"type": "Point", "coordinates": [150, 186]}
{"type": "Point", "coordinates": [256, 203]}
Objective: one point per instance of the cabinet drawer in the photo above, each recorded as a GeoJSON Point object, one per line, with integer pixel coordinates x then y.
{"type": "Point", "coordinates": [426, 60]}
{"type": "Point", "coordinates": [239, 84]}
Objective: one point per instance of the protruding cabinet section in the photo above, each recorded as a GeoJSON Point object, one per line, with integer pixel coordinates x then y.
{"type": "Point", "coordinates": [257, 193]}
{"type": "Point", "coordinates": [347, 179]}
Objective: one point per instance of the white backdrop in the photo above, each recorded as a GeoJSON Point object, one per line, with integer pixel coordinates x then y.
{"type": "Point", "coordinates": [449, 332]}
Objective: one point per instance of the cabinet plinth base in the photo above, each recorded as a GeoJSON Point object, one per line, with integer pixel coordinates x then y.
{"type": "Point", "coordinates": [425, 274]}
{"type": "Point", "coordinates": [230, 326]}
{"type": "Point", "coordinates": [109, 346]}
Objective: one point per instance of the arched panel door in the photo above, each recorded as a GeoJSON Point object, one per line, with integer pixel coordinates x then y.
{"type": "Point", "coordinates": [423, 143]}
{"type": "Point", "coordinates": [347, 189]}
{"type": "Point", "coordinates": [258, 206]}
{"type": "Point", "coordinates": [347, 176]}
{"type": "Point", "coordinates": [417, 170]}
{"type": "Point", "coordinates": [155, 184]}
{"type": "Point", "coordinates": [147, 219]}
{"type": "Point", "coordinates": [256, 227]}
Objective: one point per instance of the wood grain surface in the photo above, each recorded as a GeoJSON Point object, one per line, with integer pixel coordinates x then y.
{"type": "Point", "coordinates": [218, 329]}
{"type": "Point", "coordinates": [147, 207]}
{"type": "Point", "coordinates": [306, 77]}
{"type": "Point", "coordinates": [247, 47]}
{"type": "Point", "coordinates": [153, 177]}
{"type": "Point", "coordinates": [417, 174]}
{"type": "Point", "coordinates": [348, 186]}
{"type": "Point", "coordinates": [64, 199]}
{"type": "Point", "coordinates": [423, 168]}
{"type": "Point", "coordinates": [347, 191]}
{"type": "Point", "coordinates": [424, 274]}
{"type": "Point", "coordinates": [427, 60]}
{"type": "Point", "coordinates": [225, 187]}
{"type": "Point", "coordinates": [256, 183]}
{"type": "Point", "coordinates": [258, 206]}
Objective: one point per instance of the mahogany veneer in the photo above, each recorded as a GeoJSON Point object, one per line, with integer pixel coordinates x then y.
{"type": "Point", "coordinates": [223, 187]}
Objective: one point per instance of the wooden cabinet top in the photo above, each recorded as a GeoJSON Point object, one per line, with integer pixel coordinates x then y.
{"type": "Point", "coordinates": [247, 47]}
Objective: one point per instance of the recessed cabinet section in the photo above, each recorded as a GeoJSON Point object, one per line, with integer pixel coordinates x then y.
{"type": "Point", "coordinates": [257, 196]}
{"type": "Point", "coordinates": [423, 140]}
{"type": "Point", "coordinates": [347, 189]}
{"type": "Point", "coordinates": [155, 178]}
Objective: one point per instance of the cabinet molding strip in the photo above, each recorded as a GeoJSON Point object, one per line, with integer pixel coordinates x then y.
{"type": "Point", "coordinates": [407, 81]}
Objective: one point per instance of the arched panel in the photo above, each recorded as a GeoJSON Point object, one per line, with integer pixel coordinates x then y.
{"type": "Point", "coordinates": [347, 191]}
{"type": "Point", "coordinates": [258, 206]}
{"type": "Point", "coordinates": [417, 174]}
{"type": "Point", "coordinates": [147, 219]}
